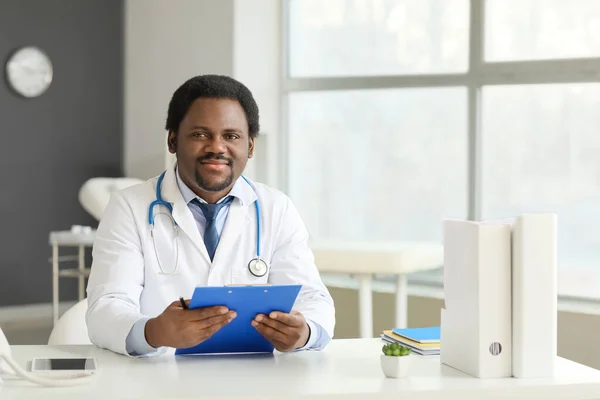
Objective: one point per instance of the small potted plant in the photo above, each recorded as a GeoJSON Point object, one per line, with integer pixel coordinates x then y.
{"type": "Point", "coordinates": [395, 360]}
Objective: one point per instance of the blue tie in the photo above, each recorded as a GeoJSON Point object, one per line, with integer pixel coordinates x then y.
{"type": "Point", "coordinates": [210, 211]}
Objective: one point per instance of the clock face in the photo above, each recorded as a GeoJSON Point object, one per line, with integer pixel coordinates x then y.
{"type": "Point", "coordinates": [29, 71]}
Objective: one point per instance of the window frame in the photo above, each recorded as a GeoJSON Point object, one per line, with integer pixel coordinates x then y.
{"type": "Point", "coordinates": [479, 73]}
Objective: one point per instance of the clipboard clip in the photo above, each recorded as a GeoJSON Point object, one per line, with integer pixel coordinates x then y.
{"type": "Point", "coordinates": [248, 284]}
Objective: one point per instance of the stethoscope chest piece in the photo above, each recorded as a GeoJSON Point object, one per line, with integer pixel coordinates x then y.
{"type": "Point", "coordinates": [257, 267]}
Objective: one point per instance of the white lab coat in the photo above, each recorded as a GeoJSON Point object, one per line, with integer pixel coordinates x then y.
{"type": "Point", "coordinates": [125, 283]}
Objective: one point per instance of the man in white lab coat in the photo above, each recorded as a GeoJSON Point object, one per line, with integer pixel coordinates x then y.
{"type": "Point", "coordinates": [146, 256]}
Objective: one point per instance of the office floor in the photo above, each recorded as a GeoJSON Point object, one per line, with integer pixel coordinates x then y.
{"type": "Point", "coordinates": [29, 324]}
{"type": "Point", "coordinates": [28, 335]}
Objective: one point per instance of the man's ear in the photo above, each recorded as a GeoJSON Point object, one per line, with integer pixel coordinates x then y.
{"type": "Point", "coordinates": [250, 147]}
{"type": "Point", "coordinates": [172, 142]}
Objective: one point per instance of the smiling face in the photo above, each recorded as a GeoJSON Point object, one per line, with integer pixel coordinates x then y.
{"type": "Point", "coordinates": [212, 146]}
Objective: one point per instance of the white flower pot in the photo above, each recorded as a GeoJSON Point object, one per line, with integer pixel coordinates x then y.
{"type": "Point", "coordinates": [395, 367]}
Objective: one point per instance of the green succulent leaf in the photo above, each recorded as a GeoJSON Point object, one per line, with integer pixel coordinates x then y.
{"type": "Point", "coordinates": [395, 349]}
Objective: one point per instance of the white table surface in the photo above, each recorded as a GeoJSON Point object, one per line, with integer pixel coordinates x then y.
{"type": "Point", "coordinates": [347, 369]}
{"type": "Point", "coordinates": [359, 257]}
{"type": "Point", "coordinates": [69, 238]}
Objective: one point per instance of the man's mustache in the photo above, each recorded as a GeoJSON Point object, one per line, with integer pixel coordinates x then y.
{"type": "Point", "coordinates": [213, 156]}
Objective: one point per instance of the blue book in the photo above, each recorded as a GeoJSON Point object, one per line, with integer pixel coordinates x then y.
{"type": "Point", "coordinates": [239, 336]}
{"type": "Point", "coordinates": [420, 335]}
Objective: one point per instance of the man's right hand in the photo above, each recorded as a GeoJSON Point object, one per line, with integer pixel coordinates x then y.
{"type": "Point", "coordinates": [181, 328]}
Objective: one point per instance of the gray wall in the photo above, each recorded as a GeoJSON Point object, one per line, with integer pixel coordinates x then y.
{"type": "Point", "coordinates": [52, 144]}
{"type": "Point", "coordinates": [159, 57]}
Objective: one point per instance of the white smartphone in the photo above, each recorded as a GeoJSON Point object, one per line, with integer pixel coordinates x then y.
{"type": "Point", "coordinates": [64, 366]}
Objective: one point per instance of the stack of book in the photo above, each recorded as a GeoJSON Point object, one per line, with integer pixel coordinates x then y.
{"type": "Point", "coordinates": [423, 341]}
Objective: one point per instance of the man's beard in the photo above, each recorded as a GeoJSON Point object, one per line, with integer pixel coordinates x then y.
{"type": "Point", "coordinates": [218, 186]}
{"type": "Point", "coordinates": [215, 187]}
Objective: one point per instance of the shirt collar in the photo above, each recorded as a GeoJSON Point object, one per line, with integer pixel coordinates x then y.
{"type": "Point", "coordinates": [237, 191]}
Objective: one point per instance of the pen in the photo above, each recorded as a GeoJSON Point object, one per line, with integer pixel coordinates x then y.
{"type": "Point", "coordinates": [183, 303]}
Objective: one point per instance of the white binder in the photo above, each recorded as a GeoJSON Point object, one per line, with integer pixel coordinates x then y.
{"type": "Point", "coordinates": [476, 329]}
{"type": "Point", "coordinates": [534, 301]}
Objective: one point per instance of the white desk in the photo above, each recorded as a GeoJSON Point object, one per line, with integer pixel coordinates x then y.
{"type": "Point", "coordinates": [347, 369]}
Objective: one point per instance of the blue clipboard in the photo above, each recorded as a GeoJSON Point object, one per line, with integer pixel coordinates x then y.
{"type": "Point", "coordinates": [239, 336]}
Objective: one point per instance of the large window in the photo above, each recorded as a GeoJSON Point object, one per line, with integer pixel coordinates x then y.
{"type": "Point", "coordinates": [355, 153]}
{"type": "Point", "coordinates": [362, 38]}
{"type": "Point", "coordinates": [401, 113]}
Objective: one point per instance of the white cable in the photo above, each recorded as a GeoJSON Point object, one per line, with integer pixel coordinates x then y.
{"type": "Point", "coordinates": [77, 380]}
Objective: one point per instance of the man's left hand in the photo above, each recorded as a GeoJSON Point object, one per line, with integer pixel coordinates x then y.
{"type": "Point", "coordinates": [287, 332]}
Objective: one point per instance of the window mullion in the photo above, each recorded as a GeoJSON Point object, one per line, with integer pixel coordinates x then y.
{"type": "Point", "coordinates": [476, 56]}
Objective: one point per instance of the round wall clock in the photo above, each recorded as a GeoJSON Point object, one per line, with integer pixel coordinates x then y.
{"type": "Point", "coordinates": [29, 71]}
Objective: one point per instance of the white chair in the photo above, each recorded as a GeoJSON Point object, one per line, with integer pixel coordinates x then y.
{"type": "Point", "coordinates": [364, 259]}
{"type": "Point", "coordinates": [95, 193]}
{"type": "Point", "coordinates": [71, 327]}
{"type": "Point", "coordinates": [94, 196]}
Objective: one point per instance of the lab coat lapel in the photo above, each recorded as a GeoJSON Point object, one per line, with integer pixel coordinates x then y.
{"type": "Point", "coordinates": [181, 212]}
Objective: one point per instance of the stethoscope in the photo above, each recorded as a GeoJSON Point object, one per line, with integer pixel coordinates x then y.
{"type": "Point", "coordinates": [257, 266]}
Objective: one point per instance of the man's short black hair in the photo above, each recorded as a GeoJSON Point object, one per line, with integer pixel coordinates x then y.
{"type": "Point", "coordinates": [212, 86]}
